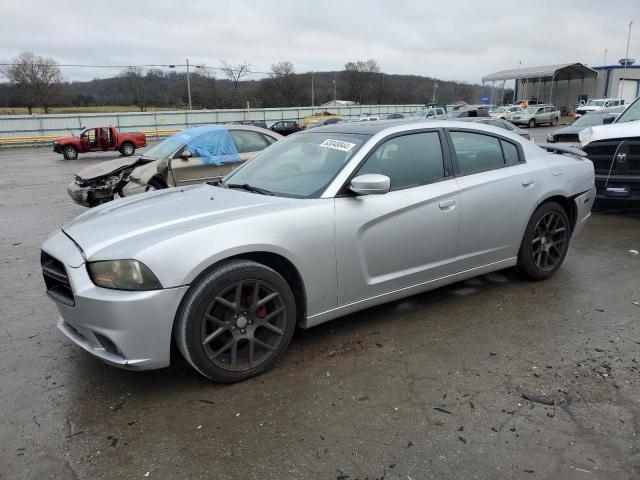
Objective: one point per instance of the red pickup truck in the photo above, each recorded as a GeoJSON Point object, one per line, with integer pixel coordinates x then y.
{"type": "Point", "coordinates": [99, 139]}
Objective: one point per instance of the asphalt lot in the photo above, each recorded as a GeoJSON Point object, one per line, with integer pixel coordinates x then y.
{"type": "Point", "coordinates": [428, 387]}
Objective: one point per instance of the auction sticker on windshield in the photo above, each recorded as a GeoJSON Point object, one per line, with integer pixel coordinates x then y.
{"type": "Point", "coordinates": [338, 144]}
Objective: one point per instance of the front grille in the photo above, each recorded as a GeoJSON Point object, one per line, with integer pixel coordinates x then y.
{"type": "Point", "coordinates": [602, 153]}
{"type": "Point", "coordinates": [56, 280]}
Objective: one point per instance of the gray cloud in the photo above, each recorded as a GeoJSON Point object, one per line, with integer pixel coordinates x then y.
{"type": "Point", "coordinates": [461, 40]}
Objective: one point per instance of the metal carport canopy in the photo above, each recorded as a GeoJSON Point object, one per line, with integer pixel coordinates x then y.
{"type": "Point", "coordinates": [564, 71]}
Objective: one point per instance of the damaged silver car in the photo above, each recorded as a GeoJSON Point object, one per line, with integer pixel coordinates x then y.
{"type": "Point", "coordinates": [194, 155]}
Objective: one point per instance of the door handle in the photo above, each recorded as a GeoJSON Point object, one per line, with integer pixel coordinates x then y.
{"type": "Point", "coordinates": [447, 205]}
{"type": "Point", "coordinates": [527, 182]}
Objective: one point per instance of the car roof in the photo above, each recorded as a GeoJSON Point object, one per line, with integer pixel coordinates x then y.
{"type": "Point", "coordinates": [373, 128]}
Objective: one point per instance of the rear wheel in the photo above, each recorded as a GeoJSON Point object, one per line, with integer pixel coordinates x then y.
{"type": "Point", "coordinates": [554, 121]}
{"type": "Point", "coordinates": [532, 123]}
{"type": "Point", "coordinates": [236, 321]}
{"type": "Point", "coordinates": [545, 242]}
{"type": "Point", "coordinates": [127, 149]}
{"type": "Point", "coordinates": [69, 152]}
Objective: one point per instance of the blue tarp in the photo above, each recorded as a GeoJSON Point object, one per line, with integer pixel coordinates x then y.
{"type": "Point", "coordinates": [213, 143]}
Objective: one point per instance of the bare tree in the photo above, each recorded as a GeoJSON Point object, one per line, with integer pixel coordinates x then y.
{"type": "Point", "coordinates": [360, 77]}
{"type": "Point", "coordinates": [134, 77]}
{"type": "Point", "coordinates": [38, 79]}
{"type": "Point", "coordinates": [206, 93]}
{"type": "Point", "coordinates": [285, 83]}
{"type": "Point", "coordinates": [235, 74]}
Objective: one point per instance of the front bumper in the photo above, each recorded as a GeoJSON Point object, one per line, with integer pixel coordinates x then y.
{"type": "Point", "coordinates": [604, 199]}
{"type": "Point", "coordinates": [57, 148]}
{"type": "Point", "coordinates": [92, 195]}
{"type": "Point", "coordinates": [123, 328]}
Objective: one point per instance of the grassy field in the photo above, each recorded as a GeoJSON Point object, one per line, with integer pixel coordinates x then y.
{"type": "Point", "coordinates": [97, 109]}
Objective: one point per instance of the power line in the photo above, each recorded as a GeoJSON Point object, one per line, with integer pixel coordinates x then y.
{"type": "Point", "coordinates": [150, 65]}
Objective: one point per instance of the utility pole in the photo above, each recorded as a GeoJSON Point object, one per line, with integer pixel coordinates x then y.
{"type": "Point", "coordinates": [335, 98]}
{"type": "Point", "coordinates": [435, 87]}
{"type": "Point", "coordinates": [313, 95]}
{"type": "Point", "coordinates": [604, 63]}
{"type": "Point", "coordinates": [188, 84]}
{"type": "Point", "coordinates": [626, 58]}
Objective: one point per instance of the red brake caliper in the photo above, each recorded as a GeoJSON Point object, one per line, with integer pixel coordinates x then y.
{"type": "Point", "coordinates": [262, 311]}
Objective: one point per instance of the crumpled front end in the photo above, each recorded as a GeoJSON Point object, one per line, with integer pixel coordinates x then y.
{"type": "Point", "coordinates": [93, 192]}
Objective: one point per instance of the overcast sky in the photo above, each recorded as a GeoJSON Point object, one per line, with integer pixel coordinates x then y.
{"type": "Point", "coordinates": [453, 40]}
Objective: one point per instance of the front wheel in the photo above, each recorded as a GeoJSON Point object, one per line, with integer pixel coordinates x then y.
{"type": "Point", "coordinates": [545, 242]}
{"type": "Point", "coordinates": [127, 149]}
{"type": "Point", "coordinates": [532, 123]}
{"type": "Point", "coordinates": [554, 121]}
{"type": "Point", "coordinates": [236, 321]}
{"type": "Point", "coordinates": [70, 152]}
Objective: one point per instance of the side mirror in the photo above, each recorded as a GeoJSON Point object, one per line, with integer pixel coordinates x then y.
{"type": "Point", "coordinates": [370, 184]}
{"type": "Point", "coordinates": [607, 120]}
{"type": "Point", "coordinates": [186, 154]}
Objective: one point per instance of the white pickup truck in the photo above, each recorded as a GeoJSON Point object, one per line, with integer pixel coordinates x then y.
{"type": "Point", "coordinates": [597, 104]}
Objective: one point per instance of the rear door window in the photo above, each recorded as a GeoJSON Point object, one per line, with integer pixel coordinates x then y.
{"type": "Point", "coordinates": [476, 152]}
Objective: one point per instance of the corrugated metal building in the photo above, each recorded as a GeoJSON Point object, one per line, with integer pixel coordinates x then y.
{"type": "Point", "coordinates": [566, 84]}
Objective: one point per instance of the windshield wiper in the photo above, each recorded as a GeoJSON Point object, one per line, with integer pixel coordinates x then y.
{"type": "Point", "coordinates": [249, 188]}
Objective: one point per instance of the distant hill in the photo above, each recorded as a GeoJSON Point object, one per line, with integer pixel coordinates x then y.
{"type": "Point", "coordinates": [158, 89]}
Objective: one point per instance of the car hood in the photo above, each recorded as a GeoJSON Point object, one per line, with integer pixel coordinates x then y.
{"type": "Point", "coordinates": [109, 167]}
{"type": "Point", "coordinates": [568, 130]}
{"type": "Point", "coordinates": [148, 218]}
{"type": "Point", "coordinates": [611, 131]}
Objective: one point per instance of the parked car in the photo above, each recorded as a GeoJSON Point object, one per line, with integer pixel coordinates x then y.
{"type": "Point", "coordinates": [285, 127]}
{"type": "Point", "coordinates": [254, 123]}
{"type": "Point", "coordinates": [99, 139]}
{"type": "Point", "coordinates": [180, 159]}
{"type": "Point", "coordinates": [615, 152]}
{"type": "Point", "coordinates": [537, 115]}
{"type": "Point", "coordinates": [570, 133]}
{"type": "Point", "coordinates": [313, 228]}
{"type": "Point", "coordinates": [369, 118]}
{"type": "Point", "coordinates": [597, 104]}
{"type": "Point", "coordinates": [432, 113]}
{"type": "Point", "coordinates": [468, 112]}
{"type": "Point", "coordinates": [496, 122]}
{"type": "Point", "coordinates": [394, 116]}
{"type": "Point", "coordinates": [502, 112]}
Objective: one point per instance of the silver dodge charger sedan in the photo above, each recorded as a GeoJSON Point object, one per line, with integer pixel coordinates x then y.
{"type": "Point", "coordinates": [319, 225]}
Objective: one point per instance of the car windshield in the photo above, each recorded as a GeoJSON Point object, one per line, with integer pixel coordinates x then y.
{"type": "Point", "coordinates": [631, 114]}
{"type": "Point", "coordinates": [300, 166]}
{"type": "Point", "coordinates": [594, 103]}
{"type": "Point", "coordinates": [590, 119]}
{"type": "Point", "coordinates": [168, 146]}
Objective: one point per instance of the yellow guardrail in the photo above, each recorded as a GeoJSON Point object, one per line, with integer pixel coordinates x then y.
{"type": "Point", "coordinates": [50, 138]}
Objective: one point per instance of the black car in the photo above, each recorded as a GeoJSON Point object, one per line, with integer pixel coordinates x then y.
{"type": "Point", "coordinates": [570, 133]}
{"type": "Point", "coordinates": [285, 127]}
{"type": "Point", "coordinates": [615, 152]}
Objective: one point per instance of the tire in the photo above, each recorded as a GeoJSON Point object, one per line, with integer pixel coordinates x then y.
{"type": "Point", "coordinates": [219, 316]}
{"type": "Point", "coordinates": [545, 242]}
{"type": "Point", "coordinates": [554, 121]}
{"type": "Point", "coordinates": [532, 123]}
{"type": "Point", "coordinates": [69, 152]}
{"type": "Point", "coordinates": [127, 149]}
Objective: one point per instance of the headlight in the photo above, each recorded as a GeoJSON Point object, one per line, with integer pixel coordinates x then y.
{"type": "Point", "coordinates": [586, 135]}
{"type": "Point", "coordinates": [123, 275]}
{"type": "Point", "coordinates": [550, 138]}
